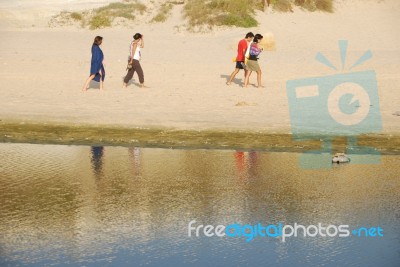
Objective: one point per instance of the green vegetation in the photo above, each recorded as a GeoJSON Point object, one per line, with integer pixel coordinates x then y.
{"type": "Point", "coordinates": [163, 13]}
{"type": "Point", "coordinates": [100, 17]}
{"type": "Point", "coordinates": [324, 5]}
{"type": "Point", "coordinates": [123, 10]}
{"type": "Point", "coordinates": [310, 5]}
{"type": "Point", "coordinates": [99, 21]}
{"type": "Point", "coordinates": [282, 5]}
{"type": "Point", "coordinates": [241, 12]}
{"type": "Point", "coordinates": [104, 16]}
{"type": "Point", "coordinates": [221, 12]}
{"type": "Point", "coordinates": [76, 16]}
{"type": "Point", "coordinates": [87, 134]}
{"type": "Point", "coordinates": [199, 13]}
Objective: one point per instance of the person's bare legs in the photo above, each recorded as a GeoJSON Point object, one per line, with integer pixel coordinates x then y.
{"type": "Point", "coordinates": [232, 76]}
{"type": "Point", "coordinates": [86, 85]}
{"type": "Point", "coordinates": [245, 74]}
{"type": "Point", "coordinates": [259, 85]}
{"type": "Point", "coordinates": [101, 81]}
{"type": "Point", "coordinates": [246, 80]}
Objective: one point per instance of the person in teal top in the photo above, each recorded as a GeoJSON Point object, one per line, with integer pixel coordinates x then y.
{"type": "Point", "coordinates": [97, 71]}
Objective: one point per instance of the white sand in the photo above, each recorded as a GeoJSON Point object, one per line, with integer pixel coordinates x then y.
{"type": "Point", "coordinates": [43, 69]}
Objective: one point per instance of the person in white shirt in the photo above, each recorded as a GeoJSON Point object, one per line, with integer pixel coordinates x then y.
{"type": "Point", "coordinates": [136, 45]}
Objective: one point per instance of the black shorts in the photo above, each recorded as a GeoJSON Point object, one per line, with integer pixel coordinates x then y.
{"type": "Point", "coordinates": [239, 65]}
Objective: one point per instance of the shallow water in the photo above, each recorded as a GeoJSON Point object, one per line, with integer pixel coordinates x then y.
{"type": "Point", "coordinates": [119, 206]}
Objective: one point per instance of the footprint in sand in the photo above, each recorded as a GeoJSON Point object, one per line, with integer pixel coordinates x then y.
{"type": "Point", "coordinates": [243, 103]}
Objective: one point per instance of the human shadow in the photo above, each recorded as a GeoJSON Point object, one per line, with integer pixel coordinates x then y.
{"type": "Point", "coordinates": [235, 80]}
{"type": "Point", "coordinates": [93, 85]}
{"type": "Point", "coordinates": [133, 82]}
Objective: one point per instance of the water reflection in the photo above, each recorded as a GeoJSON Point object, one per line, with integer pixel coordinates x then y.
{"type": "Point", "coordinates": [134, 153]}
{"type": "Point", "coordinates": [53, 209]}
{"type": "Point", "coordinates": [97, 159]}
{"type": "Point", "coordinates": [246, 165]}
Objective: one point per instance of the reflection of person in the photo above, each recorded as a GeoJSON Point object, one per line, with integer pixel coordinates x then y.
{"type": "Point", "coordinates": [134, 58]}
{"type": "Point", "coordinates": [242, 48]}
{"type": "Point", "coordinates": [246, 168]}
{"type": "Point", "coordinates": [240, 161]}
{"type": "Point", "coordinates": [252, 63]}
{"type": "Point", "coordinates": [97, 158]}
{"type": "Point", "coordinates": [97, 72]}
{"type": "Point", "coordinates": [241, 165]}
{"type": "Point", "coordinates": [134, 152]}
{"type": "Point", "coordinates": [253, 163]}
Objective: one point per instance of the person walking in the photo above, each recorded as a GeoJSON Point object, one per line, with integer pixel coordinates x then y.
{"type": "Point", "coordinates": [252, 63]}
{"type": "Point", "coordinates": [133, 61]}
{"type": "Point", "coordinates": [240, 58]}
{"type": "Point", "coordinates": [97, 71]}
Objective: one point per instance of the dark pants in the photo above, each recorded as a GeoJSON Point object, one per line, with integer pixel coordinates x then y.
{"type": "Point", "coordinates": [135, 67]}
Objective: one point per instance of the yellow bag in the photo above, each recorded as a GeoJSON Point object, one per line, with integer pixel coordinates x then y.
{"type": "Point", "coordinates": [247, 54]}
{"type": "Point", "coordinates": [234, 59]}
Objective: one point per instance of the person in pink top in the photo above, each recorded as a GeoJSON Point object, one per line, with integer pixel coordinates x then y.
{"type": "Point", "coordinates": [252, 64]}
{"type": "Point", "coordinates": [242, 48]}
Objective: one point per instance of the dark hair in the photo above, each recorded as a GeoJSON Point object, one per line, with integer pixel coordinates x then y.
{"type": "Point", "coordinates": [249, 34]}
{"type": "Point", "coordinates": [137, 36]}
{"type": "Point", "coordinates": [257, 38]}
{"type": "Point", "coordinates": [98, 40]}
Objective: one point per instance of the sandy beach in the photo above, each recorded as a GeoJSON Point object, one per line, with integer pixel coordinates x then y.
{"type": "Point", "coordinates": [43, 68]}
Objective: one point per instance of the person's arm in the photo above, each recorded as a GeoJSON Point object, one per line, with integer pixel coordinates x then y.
{"type": "Point", "coordinates": [247, 50]}
{"type": "Point", "coordinates": [142, 42]}
{"type": "Point", "coordinates": [259, 47]}
{"type": "Point", "coordinates": [102, 57]}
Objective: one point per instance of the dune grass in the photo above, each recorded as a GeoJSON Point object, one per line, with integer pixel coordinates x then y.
{"type": "Point", "coordinates": [123, 10]}
{"type": "Point", "coordinates": [101, 17]}
{"type": "Point", "coordinates": [282, 5]}
{"type": "Point", "coordinates": [208, 13]}
{"type": "Point", "coordinates": [163, 13]}
{"type": "Point", "coordinates": [76, 16]}
{"type": "Point", "coordinates": [310, 5]}
{"type": "Point", "coordinates": [241, 13]}
{"type": "Point", "coordinates": [324, 5]}
{"type": "Point", "coordinates": [99, 21]}
{"type": "Point", "coordinates": [104, 16]}
{"type": "Point", "coordinates": [222, 12]}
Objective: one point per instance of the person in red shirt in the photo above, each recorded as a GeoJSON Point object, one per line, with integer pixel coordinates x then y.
{"type": "Point", "coordinates": [242, 48]}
